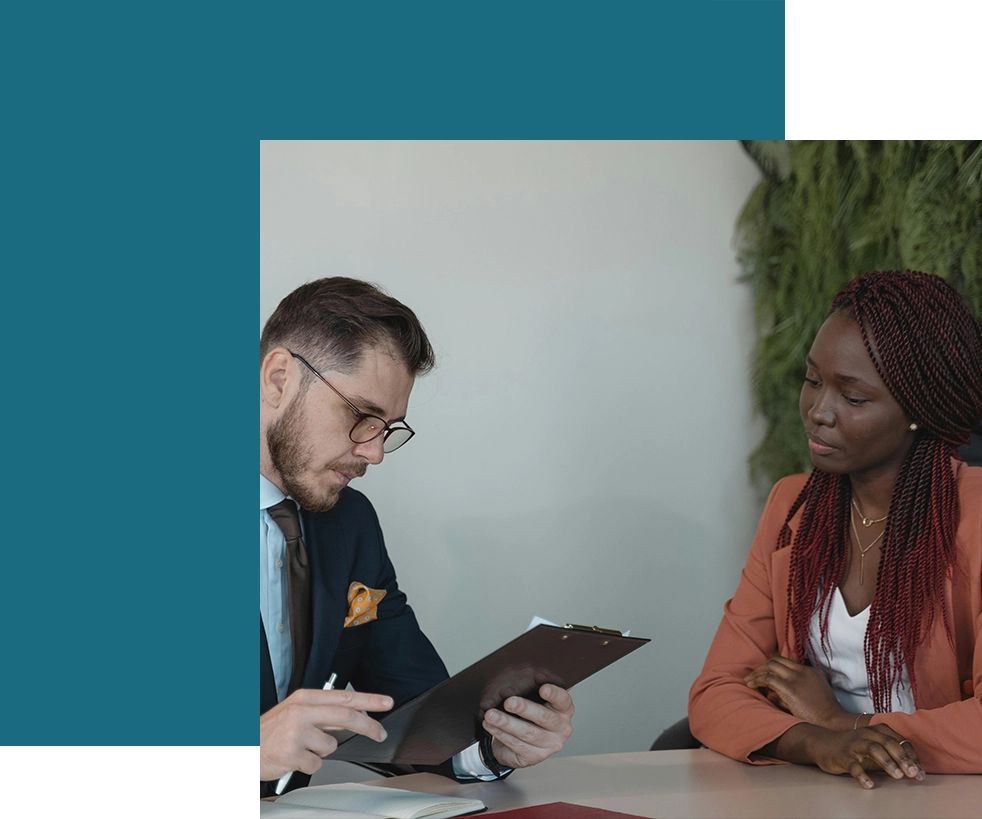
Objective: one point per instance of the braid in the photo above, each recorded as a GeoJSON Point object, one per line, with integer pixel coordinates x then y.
{"type": "Point", "coordinates": [927, 348]}
{"type": "Point", "coordinates": [818, 554]}
{"type": "Point", "coordinates": [917, 556]}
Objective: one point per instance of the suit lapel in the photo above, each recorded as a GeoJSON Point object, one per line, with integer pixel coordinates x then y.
{"type": "Point", "coordinates": [329, 566]}
{"type": "Point", "coordinates": [267, 682]}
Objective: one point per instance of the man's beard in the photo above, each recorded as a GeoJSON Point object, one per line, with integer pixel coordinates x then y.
{"type": "Point", "coordinates": [291, 459]}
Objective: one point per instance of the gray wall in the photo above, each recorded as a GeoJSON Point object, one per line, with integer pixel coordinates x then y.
{"type": "Point", "coordinates": [581, 448]}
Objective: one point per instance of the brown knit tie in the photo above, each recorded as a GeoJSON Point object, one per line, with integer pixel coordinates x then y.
{"type": "Point", "coordinates": [298, 586]}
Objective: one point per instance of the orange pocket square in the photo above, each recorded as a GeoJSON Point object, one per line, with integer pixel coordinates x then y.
{"type": "Point", "coordinates": [362, 604]}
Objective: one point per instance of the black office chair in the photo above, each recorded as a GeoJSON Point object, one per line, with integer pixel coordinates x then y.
{"type": "Point", "coordinates": [972, 451]}
{"type": "Point", "coordinates": [676, 737]}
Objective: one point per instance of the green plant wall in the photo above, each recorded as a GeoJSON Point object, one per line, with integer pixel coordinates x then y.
{"type": "Point", "coordinates": [824, 213]}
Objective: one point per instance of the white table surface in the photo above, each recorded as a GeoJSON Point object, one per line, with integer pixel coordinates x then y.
{"type": "Point", "coordinates": [702, 783]}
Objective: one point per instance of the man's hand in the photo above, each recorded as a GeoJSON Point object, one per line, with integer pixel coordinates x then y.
{"type": "Point", "coordinates": [526, 733]}
{"type": "Point", "coordinates": [801, 690]}
{"type": "Point", "coordinates": [292, 734]}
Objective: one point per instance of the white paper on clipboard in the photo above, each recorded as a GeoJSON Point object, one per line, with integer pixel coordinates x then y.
{"type": "Point", "coordinates": [540, 621]}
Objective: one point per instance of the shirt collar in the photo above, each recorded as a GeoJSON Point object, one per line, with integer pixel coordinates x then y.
{"type": "Point", "coordinates": [269, 493]}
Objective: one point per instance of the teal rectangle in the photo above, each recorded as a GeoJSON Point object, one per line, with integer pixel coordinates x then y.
{"type": "Point", "coordinates": [131, 277]}
{"type": "Point", "coordinates": [705, 69]}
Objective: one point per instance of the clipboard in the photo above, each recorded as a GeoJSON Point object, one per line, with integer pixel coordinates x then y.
{"type": "Point", "coordinates": [439, 723]}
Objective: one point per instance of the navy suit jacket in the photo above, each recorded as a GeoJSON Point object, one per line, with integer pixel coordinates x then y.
{"type": "Point", "coordinates": [389, 655]}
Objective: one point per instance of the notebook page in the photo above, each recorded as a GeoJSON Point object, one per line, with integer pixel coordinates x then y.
{"type": "Point", "coordinates": [389, 802]}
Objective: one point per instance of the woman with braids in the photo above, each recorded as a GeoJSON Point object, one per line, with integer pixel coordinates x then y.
{"type": "Point", "coordinates": [854, 639]}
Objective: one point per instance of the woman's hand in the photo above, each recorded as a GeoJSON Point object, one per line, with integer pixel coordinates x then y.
{"type": "Point", "coordinates": [852, 752]}
{"type": "Point", "coordinates": [801, 690]}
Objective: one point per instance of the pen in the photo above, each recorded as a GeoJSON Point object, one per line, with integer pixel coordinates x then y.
{"type": "Point", "coordinates": [285, 779]}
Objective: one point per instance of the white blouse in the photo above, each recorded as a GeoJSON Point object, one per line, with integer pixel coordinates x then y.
{"type": "Point", "coordinates": [845, 663]}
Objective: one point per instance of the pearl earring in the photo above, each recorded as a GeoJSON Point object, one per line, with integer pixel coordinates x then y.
{"type": "Point", "coordinates": [913, 427]}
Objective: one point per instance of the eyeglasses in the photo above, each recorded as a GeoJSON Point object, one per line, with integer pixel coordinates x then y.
{"type": "Point", "coordinates": [367, 427]}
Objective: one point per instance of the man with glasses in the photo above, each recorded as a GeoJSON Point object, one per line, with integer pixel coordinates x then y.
{"type": "Point", "coordinates": [338, 359]}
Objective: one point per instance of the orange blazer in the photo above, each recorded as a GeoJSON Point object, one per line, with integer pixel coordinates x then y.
{"type": "Point", "coordinates": [946, 728]}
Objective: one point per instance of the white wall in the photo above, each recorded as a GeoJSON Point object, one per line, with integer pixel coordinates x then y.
{"type": "Point", "coordinates": [581, 448]}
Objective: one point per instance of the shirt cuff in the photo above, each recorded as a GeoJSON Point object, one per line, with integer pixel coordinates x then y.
{"type": "Point", "coordinates": [467, 765]}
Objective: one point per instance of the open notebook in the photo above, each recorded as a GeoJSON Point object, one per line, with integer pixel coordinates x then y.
{"type": "Point", "coordinates": [357, 801]}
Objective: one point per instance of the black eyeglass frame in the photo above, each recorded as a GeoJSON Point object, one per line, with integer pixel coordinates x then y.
{"type": "Point", "coordinates": [386, 430]}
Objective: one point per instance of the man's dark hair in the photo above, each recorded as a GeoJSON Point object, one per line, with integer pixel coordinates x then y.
{"type": "Point", "coordinates": [331, 322]}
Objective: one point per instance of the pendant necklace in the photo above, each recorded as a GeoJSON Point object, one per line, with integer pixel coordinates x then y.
{"type": "Point", "coordinates": [867, 522]}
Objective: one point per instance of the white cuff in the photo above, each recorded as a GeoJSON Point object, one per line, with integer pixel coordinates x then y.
{"type": "Point", "coordinates": [468, 765]}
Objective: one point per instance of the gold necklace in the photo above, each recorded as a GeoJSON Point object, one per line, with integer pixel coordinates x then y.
{"type": "Point", "coordinates": [867, 522]}
{"type": "Point", "coordinates": [864, 549]}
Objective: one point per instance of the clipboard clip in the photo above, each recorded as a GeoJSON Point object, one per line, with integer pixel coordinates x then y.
{"type": "Point", "coordinates": [594, 629]}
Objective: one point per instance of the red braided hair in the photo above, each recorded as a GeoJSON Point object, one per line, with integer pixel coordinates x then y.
{"type": "Point", "coordinates": [927, 348]}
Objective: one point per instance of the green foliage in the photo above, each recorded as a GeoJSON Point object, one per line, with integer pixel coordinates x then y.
{"type": "Point", "coordinates": [824, 213]}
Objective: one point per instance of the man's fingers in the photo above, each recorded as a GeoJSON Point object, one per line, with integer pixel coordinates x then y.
{"type": "Point", "coordinates": [292, 733]}
{"type": "Point", "coordinates": [559, 698]}
{"type": "Point", "coordinates": [339, 710]}
{"type": "Point", "coordinates": [309, 763]}
{"type": "Point", "coordinates": [529, 712]}
{"type": "Point", "coordinates": [306, 747]}
{"type": "Point", "coordinates": [521, 748]}
{"type": "Point", "coordinates": [330, 718]}
{"type": "Point", "coordinates": [529, 732]}
{"type": "Point", "coordinates": [503, 725]}
{"type": "Point", "coordinates": [318, 743]}
{"type": "Point", "coordinates": [358, 700]}
{"type": "Point", "coordinates": [336, 718]}
{"type": "Point", "coordinates": [522, 743]}
{"type": "Point", "coordinates": [525, 754]}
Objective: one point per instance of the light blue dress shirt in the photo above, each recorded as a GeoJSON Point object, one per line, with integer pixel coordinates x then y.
{"type": "Point", "coordinates": [274, 607]}
{"type": "Point", "coordinates": [274, 603]}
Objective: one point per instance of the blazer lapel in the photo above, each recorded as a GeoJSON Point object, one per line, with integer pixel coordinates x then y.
{"type": "Point", "coordinates": [780, 574]}
{"type": "Point", "coordinates": [267, 682]}
{"type": "Point", "coordinates": [329, 569]}
{"type": "Point", "coordinates": [936, 664]}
